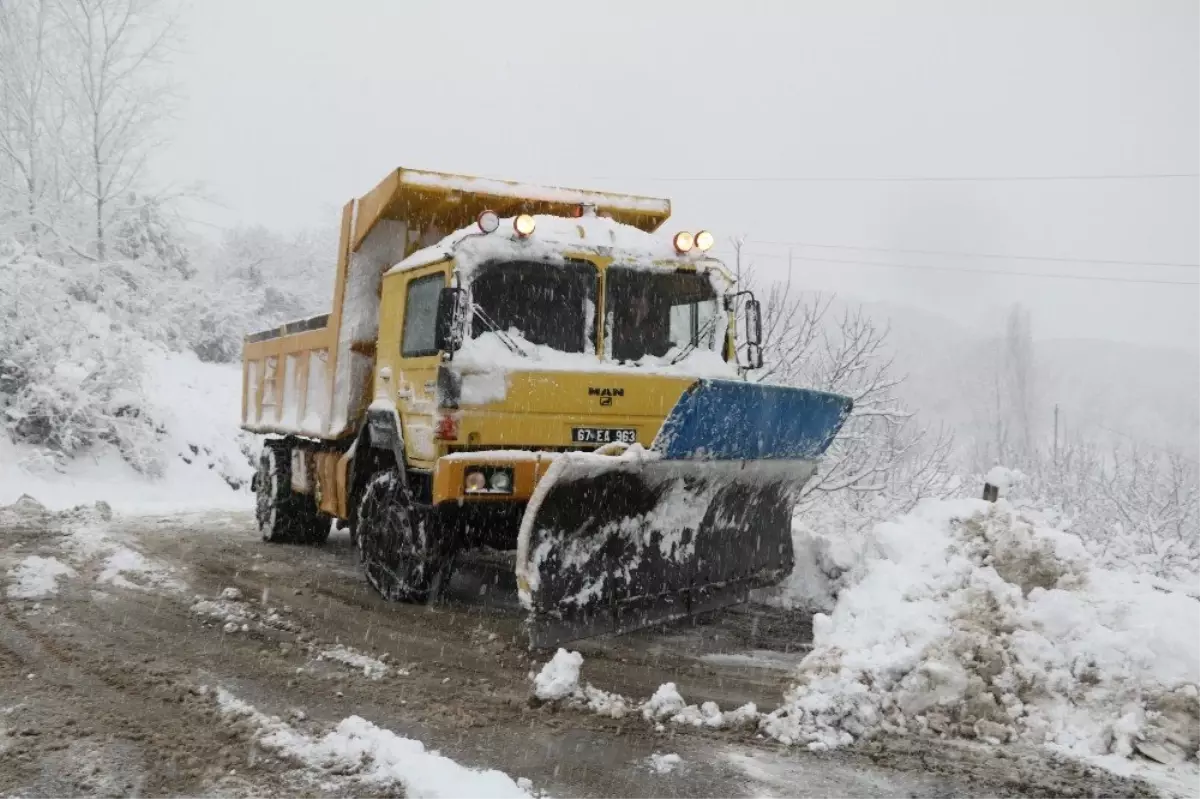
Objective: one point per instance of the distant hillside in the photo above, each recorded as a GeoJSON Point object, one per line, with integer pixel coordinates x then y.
{"type": "Point", "coordinates": [1109, 389]}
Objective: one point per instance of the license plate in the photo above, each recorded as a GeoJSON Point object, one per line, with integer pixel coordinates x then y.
{"type": "Point", "coordinates": [603, 435]}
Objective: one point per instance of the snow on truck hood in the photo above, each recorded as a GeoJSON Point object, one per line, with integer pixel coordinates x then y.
{"type": "Point", "coordinates": [553, 236]}
{"type": "Point", "coordinates": [485, 363]}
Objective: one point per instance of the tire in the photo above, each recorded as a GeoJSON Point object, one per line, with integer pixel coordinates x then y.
{"type": "Point", "coordinates": [283, 516]}
{"type": "Point", "coordinates": [394, 543]}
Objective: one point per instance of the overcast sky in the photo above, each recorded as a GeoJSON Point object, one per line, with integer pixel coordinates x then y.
{"type": "Point", "coordinates": [731, 110]}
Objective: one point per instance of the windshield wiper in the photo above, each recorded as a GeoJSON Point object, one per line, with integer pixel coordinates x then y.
{"type": "Point", "coordinates": [504, 337]}
{"type": "Point", "coordinates": [709, 326]}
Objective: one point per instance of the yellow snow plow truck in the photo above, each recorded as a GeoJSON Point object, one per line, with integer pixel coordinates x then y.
{"type": "Point", "coordinates": [531, 369]}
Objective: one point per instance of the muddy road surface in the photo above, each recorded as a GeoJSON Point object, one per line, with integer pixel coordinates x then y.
{"type": "Point", "coordinates": [125, 642]}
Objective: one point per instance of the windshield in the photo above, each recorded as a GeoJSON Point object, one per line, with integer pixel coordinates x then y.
{"type": "Point", "coordinates": [658, 313]}
{"type": "Point", "coordinates": [548, 304]}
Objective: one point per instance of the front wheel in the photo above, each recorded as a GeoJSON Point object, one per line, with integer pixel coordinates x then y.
{"type": "Point", "coordinates": [394, 540]}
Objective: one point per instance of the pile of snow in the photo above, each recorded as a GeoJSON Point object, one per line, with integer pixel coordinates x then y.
{"type": "Point", "coordinates": [828, 541]}
{"type": "Point", "coordinates": [374, 755]}
{"type": "Point", "coordinates": [558, 681]}
{"type": "Point", "coordinates": [36, 577]}
{"type": "Point", "coordinates": [664, 764]}
{"type": "Point", "coordinates": [234, 615]}
{"type": "Point", "coordinates": [966, 619]}
{"type": "Point", "coordinates": [372, 668]}
{"type": "Point", "coordinates": [559, 678]}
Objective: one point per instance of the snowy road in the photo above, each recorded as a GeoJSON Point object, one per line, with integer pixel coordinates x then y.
{"type": "Point", "coordinates": [115, 636]}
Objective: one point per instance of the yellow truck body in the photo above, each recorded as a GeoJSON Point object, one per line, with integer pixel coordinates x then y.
{"type": "Point", "coordinates": [531, 369]}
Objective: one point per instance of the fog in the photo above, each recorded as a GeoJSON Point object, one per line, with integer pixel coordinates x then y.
{"type": "Point", "coordinates": [777, 121]}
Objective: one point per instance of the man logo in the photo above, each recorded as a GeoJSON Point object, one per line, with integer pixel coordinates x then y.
{"type": "Point", "coordinates": [605, 394]}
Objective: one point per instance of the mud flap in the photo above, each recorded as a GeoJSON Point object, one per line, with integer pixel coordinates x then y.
{"type": "Point", "coordinates": [611, 543]}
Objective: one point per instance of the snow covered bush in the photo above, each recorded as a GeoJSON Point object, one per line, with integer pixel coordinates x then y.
{"type": "Point", "coordinates": [69, 375]}
{"type": "Point", "coordinates": [970, 619]}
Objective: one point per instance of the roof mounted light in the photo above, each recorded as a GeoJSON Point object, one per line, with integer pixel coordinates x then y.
{"type": "Point", "coordinates": [524, 225]}
{"type": "Point", "coordinates": [704, 241]}
{"type": "Point", "coordinates": [684, 241]}
{"type": "Point", "coordinates": [488, 221]}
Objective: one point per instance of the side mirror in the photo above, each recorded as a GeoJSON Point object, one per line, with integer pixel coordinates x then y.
{"type": "Point", "coordinates": [753, 311]}
{"type": "Point", "coordinates": [451, 319]}
{"type": "Point", "coordinates": [754, 359]}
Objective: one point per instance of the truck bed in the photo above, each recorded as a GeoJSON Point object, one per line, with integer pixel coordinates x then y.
{"type": "Point", "coordinates": [285, 378]}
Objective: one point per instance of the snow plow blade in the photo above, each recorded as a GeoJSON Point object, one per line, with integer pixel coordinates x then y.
{"type": "Point", "coordinates": [614, 542]}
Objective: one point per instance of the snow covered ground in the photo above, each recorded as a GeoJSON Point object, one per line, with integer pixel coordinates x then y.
{"type": "Point", "coordinates": [206, 459]}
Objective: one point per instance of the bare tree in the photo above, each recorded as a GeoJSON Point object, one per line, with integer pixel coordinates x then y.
{"type": "Point", "coordinates": [27, 109]}
{"type": "Point", "coordinates": [881, 451]}
{"type": "Point", "coordinates": [1019, 380]}
{"type": "Point", "coordinates": [117, 95]}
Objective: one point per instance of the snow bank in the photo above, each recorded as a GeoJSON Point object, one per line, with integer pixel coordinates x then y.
{"type": "Point", "coordinates": [36, 577]}
{"type": "Point", "coordinates": [373, 755]}
{"type": "Point", "coordinates": [965, 619]}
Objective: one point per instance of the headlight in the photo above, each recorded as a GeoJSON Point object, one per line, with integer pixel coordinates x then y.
{"type": "Point", "coordinates": [501, 482]}
{"type": "Point", "coordinates": [704, 241]}
{"type": "Point", "coordinates": [488, 221]}
{"type": "Point", "coordinates": [684, 242]}
{"type": "Point", "coordinates": [488, 480]}
{"type": "Point", "coordinates": [524, 225]}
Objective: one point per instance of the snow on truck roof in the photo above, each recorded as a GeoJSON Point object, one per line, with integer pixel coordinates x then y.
{"type": "Point", "coordinates": [425, 200]}
{"type": "Point", "coordinates": [552, 238]}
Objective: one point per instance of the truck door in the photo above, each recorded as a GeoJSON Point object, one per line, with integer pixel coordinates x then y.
{"type": "Point", "coordinates": [415, 357]}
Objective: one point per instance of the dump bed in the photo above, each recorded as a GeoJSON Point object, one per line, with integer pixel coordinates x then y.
{"type": "Point", "coordinates": [286, 378]}
{"type": "Point", "coordinates": [312, 377]}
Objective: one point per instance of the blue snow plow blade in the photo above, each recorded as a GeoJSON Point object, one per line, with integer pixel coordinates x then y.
{"type": "Point", "coordinates": [612, 543]}
{"type": "Point", "coordinates": [733, 420]}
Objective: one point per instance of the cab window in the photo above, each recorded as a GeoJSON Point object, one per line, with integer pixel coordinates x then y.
{"type": "Point", "coordinates": [420, 316]}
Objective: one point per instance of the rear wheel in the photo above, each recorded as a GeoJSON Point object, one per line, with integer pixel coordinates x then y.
{"type": "Point", "coordinates": [395, 541]}
{"type": "Point", "coordinates": [285, 517]}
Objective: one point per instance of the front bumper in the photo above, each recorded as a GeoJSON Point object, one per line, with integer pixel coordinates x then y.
{"type": "Point", "coordinates": [450, 471]}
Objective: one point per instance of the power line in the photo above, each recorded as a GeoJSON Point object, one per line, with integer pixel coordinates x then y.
{"type": "Point", "coordinates": [931, 267]}
{"type": "Point", "coordinates": [1058, 259]}
{"type": "Point", "coordinates": [903, 178]}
